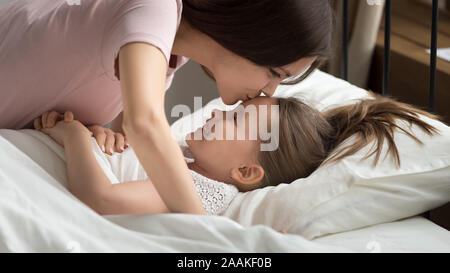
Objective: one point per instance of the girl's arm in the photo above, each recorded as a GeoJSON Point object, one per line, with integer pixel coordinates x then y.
{"type": "Point", "coordinates": [142, 77]}
{"type": "Point", "coordinates": [88, 182]}
{"type": "Point", "coordinates": [116, 124]}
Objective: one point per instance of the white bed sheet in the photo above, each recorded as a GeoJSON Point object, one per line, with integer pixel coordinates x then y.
{"type": "Point", "coordinates": [415, 234]}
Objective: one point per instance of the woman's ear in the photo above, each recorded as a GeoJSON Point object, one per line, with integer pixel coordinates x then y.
{"type": "Point", "coordinates": [248, 175]}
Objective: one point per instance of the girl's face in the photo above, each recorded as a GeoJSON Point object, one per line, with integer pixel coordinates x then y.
{"type": "Point", "coordinates": [239, 79]}
{"type": "Point", "coordinates": [232, 158]}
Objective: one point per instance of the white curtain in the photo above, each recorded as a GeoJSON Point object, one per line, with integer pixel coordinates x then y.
{"type": "Point", "coordinates": [364, 22]}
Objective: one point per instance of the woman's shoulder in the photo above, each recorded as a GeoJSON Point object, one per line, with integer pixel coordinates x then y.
{"type": "Point", "coordinates": [146, 8]}
{"type": "Point", "coordinates": [154, 22]}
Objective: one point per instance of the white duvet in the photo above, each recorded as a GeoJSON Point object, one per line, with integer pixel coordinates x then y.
{"type": "Point", "coordinates": [39, 214]}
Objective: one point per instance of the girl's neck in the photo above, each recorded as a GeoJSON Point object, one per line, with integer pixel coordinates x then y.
{"type": "Point", "coordinates": [194, 167]}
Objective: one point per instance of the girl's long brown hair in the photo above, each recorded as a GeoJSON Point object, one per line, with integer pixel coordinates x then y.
{"type": "Point", "coordinates": [308, 137]}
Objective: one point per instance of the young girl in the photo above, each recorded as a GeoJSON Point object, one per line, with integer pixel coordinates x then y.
{"type": "Point", "coordinates": [307, 138]}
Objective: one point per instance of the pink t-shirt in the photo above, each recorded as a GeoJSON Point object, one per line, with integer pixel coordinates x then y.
{"type": "Point", "coordinates": [55, 55]}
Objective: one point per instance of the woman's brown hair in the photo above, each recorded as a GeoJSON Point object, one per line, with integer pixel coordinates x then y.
{"type": "Point", "coordinates": [309, 138]}
{"type": "Point", "coordinates": [270, 33]}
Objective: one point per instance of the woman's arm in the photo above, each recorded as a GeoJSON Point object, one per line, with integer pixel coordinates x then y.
{"type": "Point", "coordinates": [88, 182]}
{"type": "Point", "coordinates": [142, 77]}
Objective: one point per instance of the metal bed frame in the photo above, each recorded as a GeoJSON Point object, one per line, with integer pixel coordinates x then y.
{"type": "Point", "coordinates": [387, 53]}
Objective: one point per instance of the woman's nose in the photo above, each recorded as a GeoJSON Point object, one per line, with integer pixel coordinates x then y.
{"type": "Point", "coordinates": [269, 91]}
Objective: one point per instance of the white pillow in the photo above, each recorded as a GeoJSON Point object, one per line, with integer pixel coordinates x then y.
{"type": "Point", "coordinates": [347, 194]}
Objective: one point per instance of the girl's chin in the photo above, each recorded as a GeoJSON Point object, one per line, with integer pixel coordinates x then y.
{"type": "Point", "coordinates": [189, 138]}
{"type": "Point", "coordinates": [196, 136]}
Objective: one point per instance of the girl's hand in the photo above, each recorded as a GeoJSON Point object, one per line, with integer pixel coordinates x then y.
{"type": "Point", "coordinates": [63, 129]}
{"type": "Point", "coordinates": [49, 119]}
{"type": "Point", "coordinates": [108, 140]}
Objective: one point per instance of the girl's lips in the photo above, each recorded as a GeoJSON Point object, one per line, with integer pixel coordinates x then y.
{"type": "Point", "coordinates": [201, 133]}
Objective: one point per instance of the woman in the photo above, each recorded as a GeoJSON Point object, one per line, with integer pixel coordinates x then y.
{"type": "Point", "coordinates": [113, 60]}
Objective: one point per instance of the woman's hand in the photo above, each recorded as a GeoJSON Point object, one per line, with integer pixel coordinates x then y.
{"type": "Point", "coordinates": [63, 129]}
{"type": "Point", "coordinates": [108, 140]}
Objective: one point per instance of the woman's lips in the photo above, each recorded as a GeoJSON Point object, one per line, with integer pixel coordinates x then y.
{"type": "Point", "coordinates": [246, 99]}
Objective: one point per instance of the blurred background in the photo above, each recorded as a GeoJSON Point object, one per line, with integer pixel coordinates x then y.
{"type": "Point", "coordinates": [409, 73]}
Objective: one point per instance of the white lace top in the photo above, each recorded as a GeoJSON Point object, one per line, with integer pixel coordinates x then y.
{"type": "Point", "coordinates": [216, 196]}
{"type": "Point", "coordinates": [122, 167]}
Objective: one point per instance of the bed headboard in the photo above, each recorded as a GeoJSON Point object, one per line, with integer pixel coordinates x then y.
{"type": "Point", "coordinates": [387, 49]}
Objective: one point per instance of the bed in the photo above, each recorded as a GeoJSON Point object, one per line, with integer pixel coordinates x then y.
{"type": "Point", "coordinates": [395, 237]}
{"type": "Point", "coordinates": [39, 214]}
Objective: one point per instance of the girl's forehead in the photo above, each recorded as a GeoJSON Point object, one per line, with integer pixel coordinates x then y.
{"type": "Point", "coordinates": [262, 107]}
{"type": "Point", "coordinates": [262, 100]}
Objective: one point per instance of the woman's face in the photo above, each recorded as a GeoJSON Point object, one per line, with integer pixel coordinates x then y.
{"type": "Point", "coordinates": [239, 79]}
{"type": "Point", "coordinates": [231, 154]}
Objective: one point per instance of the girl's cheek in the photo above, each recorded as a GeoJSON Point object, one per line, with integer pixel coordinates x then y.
{"type": "Point", "coordinates": [229, 129]}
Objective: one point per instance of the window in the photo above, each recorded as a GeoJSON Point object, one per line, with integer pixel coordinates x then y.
{"type": "Point", "coordinates": [411, 30]}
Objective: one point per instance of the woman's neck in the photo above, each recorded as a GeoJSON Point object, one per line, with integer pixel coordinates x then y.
{"type": "Point", "coordinates": [193, 44]}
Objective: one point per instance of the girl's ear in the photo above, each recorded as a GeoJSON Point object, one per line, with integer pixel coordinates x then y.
{"type": "Point", "coordinates": [248, 175]}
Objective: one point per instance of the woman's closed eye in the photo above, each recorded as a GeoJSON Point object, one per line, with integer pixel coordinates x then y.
{"type": "Point", "coordinates": [275, 73]}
